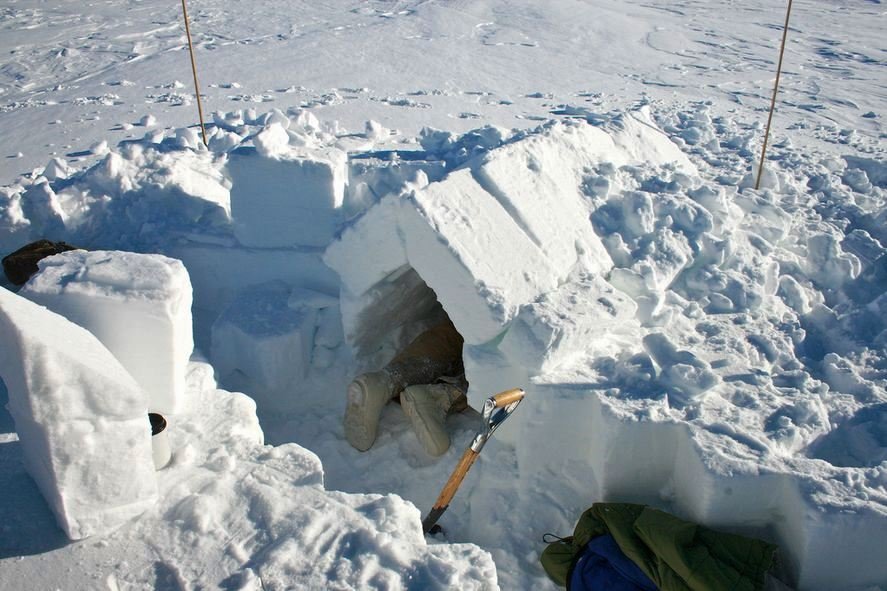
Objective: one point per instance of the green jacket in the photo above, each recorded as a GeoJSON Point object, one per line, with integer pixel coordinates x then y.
{"type": "Point", "coordinates": [677, 555]}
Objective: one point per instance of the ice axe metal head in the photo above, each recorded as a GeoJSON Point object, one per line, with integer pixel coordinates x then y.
{"type": "Point", "coordinates": [496, 409]}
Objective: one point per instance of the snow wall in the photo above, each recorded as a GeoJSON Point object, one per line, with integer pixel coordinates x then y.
{"type": "Point", "coordinates": [683, 342]}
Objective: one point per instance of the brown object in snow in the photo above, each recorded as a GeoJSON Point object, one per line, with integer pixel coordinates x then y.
{"type": "Point", "coordinates": [22, 264]}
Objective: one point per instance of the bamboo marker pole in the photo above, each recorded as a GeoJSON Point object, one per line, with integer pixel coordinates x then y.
{"type": "Point", "coordinates": [194, 72]}
{"type": "Point", "coordinates": [773, 100]}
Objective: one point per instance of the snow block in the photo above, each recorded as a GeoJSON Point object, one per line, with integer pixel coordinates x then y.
{"type": "Point", "coordinates": [473, 254]}
{"type": "Point", "coordinates": [81, 419]}
{"type": "Point", "coordinates": [370, 249]}
{"type": "Point", "coordinates": [285, 199]}
{"type": "Point", "coordinates": [219, 273]}
{"type": "Point", "coordinates": [637, 136]}
{"type": "Point", "coordinates": [265, 339]}
{"type": "Point", "coordinates": [537, 180]}
{"type": "Point", "coordinates": [585, 316]}
{"type": "Point", "coordinates": [148, 294]}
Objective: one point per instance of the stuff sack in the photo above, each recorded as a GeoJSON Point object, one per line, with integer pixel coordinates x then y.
{"type": "Point", "coordinates": [675, 555]}
{"type": "Point", "coordinates": [22, 264]}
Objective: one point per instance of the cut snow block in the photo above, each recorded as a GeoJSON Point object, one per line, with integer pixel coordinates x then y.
{"type": "Point", "coordinates": [537, 181]}
{"type": "Point", "coordinates": [288, 199]}
{"type": "Point", "coordinates": [370, 249]}
{"type": "Point", "coordinates": [81, 419]}
{"type": "Point", "coordinates": [640, 140]}
{"type": "Point", "coordinates": [584, 316]}
{"type": "Point", "coordinates": [263, 344]}
{"type": "Point", "coordinates": [139, 307]}
{"type": "Point", "coordinates": [473, 254]}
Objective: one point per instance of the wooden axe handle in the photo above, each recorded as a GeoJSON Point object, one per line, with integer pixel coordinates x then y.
{"type": "Point", "coordinates": [507, 397]}
{"type": "Point", "coordinates": [456, 478]}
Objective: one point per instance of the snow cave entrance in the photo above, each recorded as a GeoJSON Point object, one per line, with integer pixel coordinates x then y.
{"type": "Point", "coordinates": [393, 312]}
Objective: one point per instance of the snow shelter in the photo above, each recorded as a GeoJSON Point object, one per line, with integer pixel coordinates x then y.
{"type": "Point", "coordinates": [504, 245]}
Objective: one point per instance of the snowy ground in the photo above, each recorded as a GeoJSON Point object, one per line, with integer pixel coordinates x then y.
{"type": "Point", "coordinates": [775, 293]}
{"type": "Point", "coordinates": [71, 78]}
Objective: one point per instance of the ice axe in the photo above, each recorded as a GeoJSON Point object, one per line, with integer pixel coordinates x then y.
{"type": "Point", "coordinates": [496, 409]}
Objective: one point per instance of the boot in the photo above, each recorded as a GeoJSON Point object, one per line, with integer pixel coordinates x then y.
{"type": "Point", "coordinates": [366, 395]}
{"type": "Point", "coordinates": [427, 405]}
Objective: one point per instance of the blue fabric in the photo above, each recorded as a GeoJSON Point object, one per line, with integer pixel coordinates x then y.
{"type": "Point", "coordinates": [603, 566]}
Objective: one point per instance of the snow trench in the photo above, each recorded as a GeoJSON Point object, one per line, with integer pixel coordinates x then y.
{"type": "Point", "coordinates": [684, 340]}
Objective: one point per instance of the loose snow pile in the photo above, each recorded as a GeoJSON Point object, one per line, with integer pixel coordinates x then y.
{"type": "Point", "coordinates": [685, 340]}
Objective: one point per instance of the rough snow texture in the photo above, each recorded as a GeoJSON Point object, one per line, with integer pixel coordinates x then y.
{"type": "Point", "coordinates": [150, 294]}
{"type": "Point", "coordinates": [760, 347]}
{"type": "Point", "coordinates": [591, 266]}
{"type": "Point", "coordinates": [80, 417]}
{"type": "Point", "coordinates": [701, 346]}
{"type": "Point", "coordinates": [261, 516]}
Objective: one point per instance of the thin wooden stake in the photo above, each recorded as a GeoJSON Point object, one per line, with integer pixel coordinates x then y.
{"type": "Point", "coordinates": [194, 71]}
{"type": "Point", "coordinates": [773, 100]}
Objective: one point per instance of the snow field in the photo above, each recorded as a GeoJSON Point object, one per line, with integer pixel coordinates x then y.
{"type": "Point", "coordinates": [698, 347]}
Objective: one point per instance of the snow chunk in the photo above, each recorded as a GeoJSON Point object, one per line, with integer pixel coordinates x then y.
{"type": "Point", "coordinates": [56, 169]}
{"type": "Point", "coordinates": [585, 315]}
{"type": "Point", "coordinates": [683, 374]}
{"type": "Point", "coordinates": [41, 207]}
{"type": "Point", "coordinates": [283, 197]}
{"type": "Point", "coordinates": [150, 295]}
{"type": "Point", "coordinates": [537, 181]}
{"type": "Point", "coordinates": [637, 136]}
{"type": "Point", "coordinates": [81, 419]}
{"type": "Point", "coordinates": [261, 338]}
{"type": "Point", "coordinates": [14, 226]}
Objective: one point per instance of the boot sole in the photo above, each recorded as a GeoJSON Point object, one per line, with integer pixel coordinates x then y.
{"type": "Point", "coordinates": [418, 423]}
{"type": "Point", "coordinates": [357, 430]}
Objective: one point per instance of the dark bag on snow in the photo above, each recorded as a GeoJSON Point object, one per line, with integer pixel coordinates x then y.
{"type": "Point", "coordinates": [22, 264]}
{"type": "Point", "coordinates": [676, 555]}
{"type": "Point", "coordinates": [602, 565]}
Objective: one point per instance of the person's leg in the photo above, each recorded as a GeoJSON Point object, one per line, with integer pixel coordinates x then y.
{"type": "Point", "coordinates": [434, 353]}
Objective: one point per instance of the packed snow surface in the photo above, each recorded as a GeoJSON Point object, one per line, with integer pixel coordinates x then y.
{"type": "Point", "coordinates": [572, 183]}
